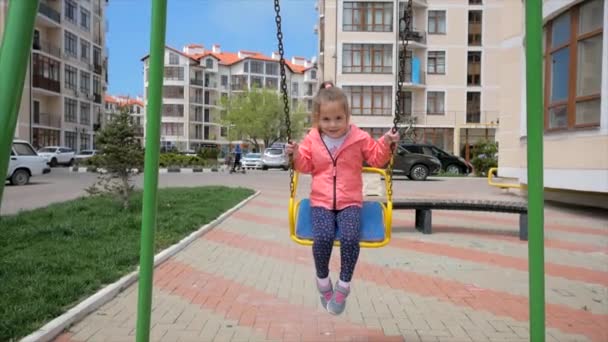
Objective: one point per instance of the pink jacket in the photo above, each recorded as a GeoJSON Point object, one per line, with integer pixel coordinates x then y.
{"type": "Point", "coordinates": [338, 182]}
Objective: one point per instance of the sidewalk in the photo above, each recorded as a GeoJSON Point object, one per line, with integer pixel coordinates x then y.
{"type": "Point", "coordinates": [247, 281]}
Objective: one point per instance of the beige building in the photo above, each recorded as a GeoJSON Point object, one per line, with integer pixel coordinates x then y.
{"type": "Point", "coordinates": [64, 86]}
{"type": "Point", "coordinates": [452, 86]}
{"type": "Point", "coordinates": [465, 80]}
{"type": "Point", "coordinates": [196, 78]}
{"type": "Point", "coordinates": [575, 107]}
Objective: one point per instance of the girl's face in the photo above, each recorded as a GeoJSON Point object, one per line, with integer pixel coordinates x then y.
{"type": "Point", "coordinates": [333, 120]}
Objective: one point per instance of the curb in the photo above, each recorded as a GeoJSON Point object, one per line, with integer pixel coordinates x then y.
{"type": "Point", "coordinates": [55, 327]}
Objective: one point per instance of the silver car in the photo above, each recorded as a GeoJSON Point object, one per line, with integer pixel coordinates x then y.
{"type": "Point", "coordinates": [274, 157]}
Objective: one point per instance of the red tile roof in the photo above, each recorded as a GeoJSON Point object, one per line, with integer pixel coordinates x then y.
{"type": "Point", "coordinates": [123, 100]}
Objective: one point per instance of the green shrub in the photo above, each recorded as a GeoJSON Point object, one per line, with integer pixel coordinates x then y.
{"type": "Point", "coordinates": [484, 157]}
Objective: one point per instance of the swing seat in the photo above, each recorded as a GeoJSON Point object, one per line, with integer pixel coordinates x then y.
{"type": "Point", "coordinates": [372, 221]}
{"type": "Point", "coordinates": [375, 218]}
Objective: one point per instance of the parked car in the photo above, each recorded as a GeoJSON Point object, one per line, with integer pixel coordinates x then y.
{"type": "Point", "coordinates": [252, 160]}
{"type": "Point", "coordinates": [85, 154]}
{"type": "Point", "coordinates": [275, 158]}
{"type": "Point", "coordinates": [414, 165]}
{"type": "Point", "coordinates": [56, 155]}
{"type": "Point", "coordinates": [449, 162]}
{"type": "Point", "coordinates": [25, 163]}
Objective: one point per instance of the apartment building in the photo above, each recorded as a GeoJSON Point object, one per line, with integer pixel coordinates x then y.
{"type": "Point", "coordinates": [134, 107]}
{"type": "Point", "coordinates": [451, 88]}
{"type": "Point", "coordinates": [196, 78]}
{"type": "Point", "coordinates": [575, 50]}
{"type": "Point", "coordinates": [67, 75]}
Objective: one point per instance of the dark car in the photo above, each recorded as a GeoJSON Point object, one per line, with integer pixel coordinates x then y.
{"type": "Point", "coordinates": [414, 165]}
{"type": "Point", "coordinates": [449, 162]}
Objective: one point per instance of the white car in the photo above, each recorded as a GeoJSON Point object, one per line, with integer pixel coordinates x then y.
{"type": "Point", "coordinates": [252, 161]}
{"type": "Point", "coordinates": [25, 163]}
{"type": "Point", "coordinates": [56, 155]}
{"type": "Point", "coordinates": [85, 154]}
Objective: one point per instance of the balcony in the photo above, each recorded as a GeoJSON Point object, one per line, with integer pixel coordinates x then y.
{"type": "Point", "coordinates": [196, 99]}
{"type": "Point", "coordinates": [47, 120]}
{"type": "Point", "coordinates": [139, 131]}
{"type": "Point", "coordinates": [49, 12]}
{"type": "Point", "coordinates": [238, 86]}
{"type": "Point", "coordinates": [46, 83]}
{"type": "Point", "coordinates": [415, 37]}
{"type": "Point", "coordinates": [97, 98]}
{"type": "Point", "coordinates": [197, 82]}
{"type": "Point", "coordinates": [415, 80]}
{"type": "Point", "coordinates": [47, 47]}
{"type": "Point", "coordinates": [211, 84]}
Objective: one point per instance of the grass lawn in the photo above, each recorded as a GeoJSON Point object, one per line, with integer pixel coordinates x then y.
{"type": "Point", "coordinates": [54, 257]}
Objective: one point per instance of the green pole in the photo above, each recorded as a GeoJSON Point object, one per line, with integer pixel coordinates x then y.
{"type": "Point", "coordinates": [535, 127]}
{"type": "Point", "coordinates": [148, 225]}
{"type": "Point", "coordinates": [17, 42]}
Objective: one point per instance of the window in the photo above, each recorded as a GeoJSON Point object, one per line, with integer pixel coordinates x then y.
{"type": "Point", "coordinates": [85, 48]}
{"type": "Point", "coordinates": [173, 58]}
{"type": "Point", "coordinates": [272, 83]}
{"type": "Point", "coordinates": [435, 102]}
{"type": "Point", "coordinates": [367, 58]}
{"type": "Point", "coordinates": [70, 139]}
{"type": "Point", "coordinates": [436, 62]}
{"type": "Point", "coordinates": [84, 141]}
{"type": "Point", "coordinates": [224, 80]}
{"type": "Point", "coordinates": [173, 92]}
{"type": "Point", "coordinates": [71, 47]}
{"type": "Point", "coordinates": [174, 110]}
{"type": "Point", "coordinates": [97, 88]}
{"type": "Point", "coordinates": [437, 22]}
{"type": "Point", "coordinates": [97, 59]}
{"type": "Point", "coordinates": [272, 68]}
{"type": "Point", "coordinates": [294, 89]}
{"type": "Point", "coordinates": [70, 110]}
{"type": "Point", "coordinates": [85, 113]}
{"type": "Point", "coordinates": [70, 77]}
{"type": "Point", "coordinates": [313, 74]}
{"type": "Point", "coordinates": [369, 100]}
{"type": "Point", "coordinates": [174, 73]}
{"type": "Point", "coordinates": [475, 2]}
{"type": "Point", "coordinates": [172, 128]}
{"type": "Point", "coordinates": [474, 68]}
{"type": "Point", "coordinates": [85, 82]}
{"type": "Point", "coordinates": [209, 63]}
{"type": "Point", "coordinates": [85, 19]}
{"type": "Point", "coordinates": [475, 28]}
{"type": "Point", "coordinates": [573, 67]}
{"type": "Point", "coordinates": [257, 67]}
{"type": "Point", "coordinates": [368, 16]}
{"type": "Point", "coordinates": [70, 11]}
{"type": "Point", "coordinates": [23, 149]}
{"type": "Point", "coordinates": [473, 107]}
{"type": "Point", "coordinates": [256, 82]}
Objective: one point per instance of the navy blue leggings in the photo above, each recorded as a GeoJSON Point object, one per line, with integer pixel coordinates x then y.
{"type": "Point", "coordinates": [324, 227]}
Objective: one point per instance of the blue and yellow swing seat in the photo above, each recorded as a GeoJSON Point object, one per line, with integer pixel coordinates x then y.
{"type": "Point", "coordinates": [375, 217]}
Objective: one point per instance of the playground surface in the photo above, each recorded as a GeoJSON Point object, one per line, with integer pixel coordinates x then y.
{"type": "Point", "coordinates": [245, 280]}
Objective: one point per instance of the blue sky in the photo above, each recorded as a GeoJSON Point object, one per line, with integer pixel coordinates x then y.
{"type": "Point", "coordinates": [234, 24]}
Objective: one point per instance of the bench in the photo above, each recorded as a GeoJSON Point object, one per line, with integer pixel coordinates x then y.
{"type": "Point", "coordinates": [424, 209]}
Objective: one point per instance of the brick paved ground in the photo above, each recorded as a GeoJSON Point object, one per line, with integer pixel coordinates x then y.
{"type": "Point", "coordinates": [247, 281]}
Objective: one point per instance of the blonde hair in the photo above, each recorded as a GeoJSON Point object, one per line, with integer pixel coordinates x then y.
{"type": "Point", "coordinates": [325, 95]}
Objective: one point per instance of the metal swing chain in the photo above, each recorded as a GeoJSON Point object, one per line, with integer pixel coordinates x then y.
{"type": "Point", "coordinates": [405, 20]}
{"type": "Point", "coordinates": [277, 9]}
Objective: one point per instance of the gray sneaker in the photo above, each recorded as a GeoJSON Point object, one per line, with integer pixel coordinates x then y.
{"type": "Point", "coordinates": [337, 304]}
{"type": "Point", "coordinates": [326, 293]}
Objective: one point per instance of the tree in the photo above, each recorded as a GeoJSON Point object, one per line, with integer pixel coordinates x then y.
{"type": "Point", "coordinates": [119, 154]}
{"type": "Point", "coordinates": [257, 116]}
{"type": "Point", "coordinates": [484, 157]}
